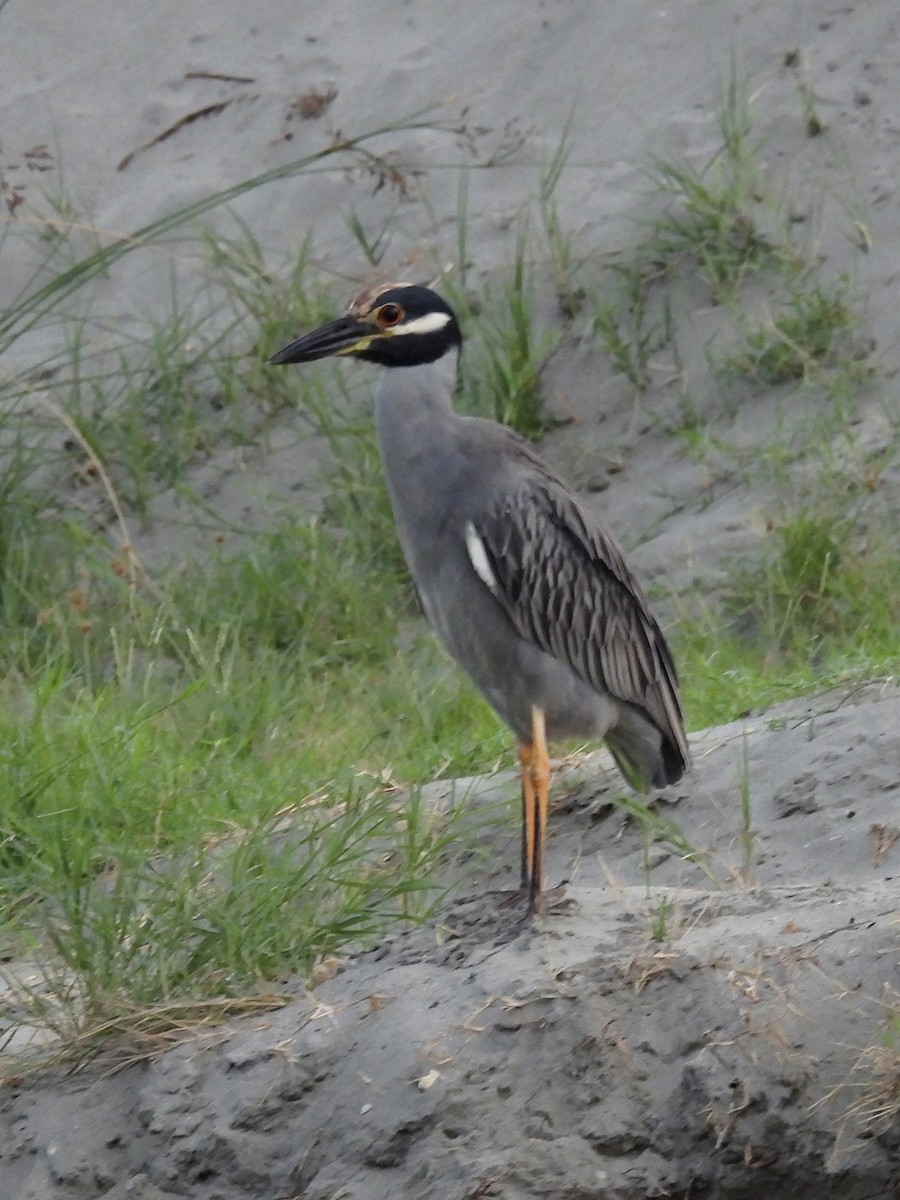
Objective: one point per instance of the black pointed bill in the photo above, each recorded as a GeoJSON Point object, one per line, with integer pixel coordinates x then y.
{"type": "Point", "coordinates": [346, 335]}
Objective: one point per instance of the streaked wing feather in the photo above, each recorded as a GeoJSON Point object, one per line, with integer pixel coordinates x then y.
{"type": "Point", "coordinates": [566, 587]}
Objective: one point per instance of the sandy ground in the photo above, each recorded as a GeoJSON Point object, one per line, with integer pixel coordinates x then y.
{"type": "Point", "coordinates": [579, 1057]}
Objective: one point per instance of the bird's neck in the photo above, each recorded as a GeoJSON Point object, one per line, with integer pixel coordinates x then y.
{"type": "Point", "coordinates": [419, 390]}
{"type": "Point", "coordinates": [446, 368]}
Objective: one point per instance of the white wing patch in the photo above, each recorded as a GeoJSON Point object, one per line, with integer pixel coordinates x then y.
{"type": "Point", "coordinates": [430, 323]}
{"type": "Point", "coordinates": [479, 559]}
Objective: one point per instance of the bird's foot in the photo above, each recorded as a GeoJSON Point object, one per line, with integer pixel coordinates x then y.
{"type": "Point", "coordinates": [546, 901]}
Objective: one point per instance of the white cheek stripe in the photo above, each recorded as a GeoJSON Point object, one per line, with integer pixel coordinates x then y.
{"type": "Point", "coordinates": [479, 559]}
{"type": "Point", "coordinates": [430, 323]}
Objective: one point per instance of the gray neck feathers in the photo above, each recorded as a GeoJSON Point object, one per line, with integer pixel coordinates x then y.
{"type": "Point", "coordinates": [447, 368]}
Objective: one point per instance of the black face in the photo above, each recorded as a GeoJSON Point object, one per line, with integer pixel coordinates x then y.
{"type": "Point", "coordinates": [402, 325]}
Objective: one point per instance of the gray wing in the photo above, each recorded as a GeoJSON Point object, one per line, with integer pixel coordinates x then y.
{"type": "Point", "coordinates": [566, 588]}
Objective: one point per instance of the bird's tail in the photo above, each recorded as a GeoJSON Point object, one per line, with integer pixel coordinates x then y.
{"type": "Point", "coordinates": [643, 754]}
{"type": "Point", "coordinates": [634, 776]}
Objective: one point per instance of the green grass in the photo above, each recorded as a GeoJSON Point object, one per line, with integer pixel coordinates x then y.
{"type": "Point", "coordinates": [563, 258]}
{"type": "Point", "coordinates": [710, 216]}
{"type": "Point", "coordinates": [505, 351]}
{"type": "Point", "coordinates": [708, 231]}
{"type": "Point", "coordinates": [623, 322]}
{"type": "Point", "coordinates": [201, 786]}
{"type": "Point", "coordinates": [199, 790]}
{"type": "Point", "coordinates": [818, 609]}
{"type": "Point", "coordinates": [796, 342]}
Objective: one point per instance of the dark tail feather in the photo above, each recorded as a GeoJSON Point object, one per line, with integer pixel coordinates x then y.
{"type": "Point", "coordinates": [645, 757]}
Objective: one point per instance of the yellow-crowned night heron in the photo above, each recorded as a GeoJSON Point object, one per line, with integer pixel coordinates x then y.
{"type": "Point", "coordinates": [522, 584]}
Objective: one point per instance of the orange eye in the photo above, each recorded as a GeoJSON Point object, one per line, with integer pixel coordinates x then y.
{"type": "Point", "coordinates": [390, 314]}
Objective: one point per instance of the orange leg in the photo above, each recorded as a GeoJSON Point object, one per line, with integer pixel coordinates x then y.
{"type": "Point", "coordinates": [535, 764]}
{"type": "Point", "coordinates": [526, 755]}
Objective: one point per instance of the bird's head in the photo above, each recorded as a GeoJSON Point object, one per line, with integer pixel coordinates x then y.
{"type": "Point", "coordinates": [394, 324]}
